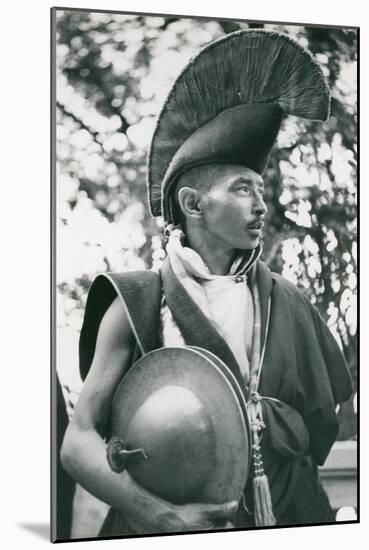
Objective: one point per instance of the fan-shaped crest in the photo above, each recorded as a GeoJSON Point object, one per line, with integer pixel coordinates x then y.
{"type": "Point", "coordinates": [245, 67]}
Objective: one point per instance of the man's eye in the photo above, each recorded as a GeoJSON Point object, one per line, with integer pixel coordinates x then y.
{"type": "Point", "coordinates": [244, 188]}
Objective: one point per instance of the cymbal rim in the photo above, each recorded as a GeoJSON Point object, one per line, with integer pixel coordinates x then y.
{"type": "Point", "coordinates": [195, 371]}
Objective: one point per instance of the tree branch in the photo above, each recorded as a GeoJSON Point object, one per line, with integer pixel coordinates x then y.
{"type": "Point", "coordinates": [80, 123]}
{"type": "Point", "coordinates": [167, 22]}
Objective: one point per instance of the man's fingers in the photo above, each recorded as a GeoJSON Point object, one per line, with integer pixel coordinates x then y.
{"type": "Point", "coordinates": [222, 511]}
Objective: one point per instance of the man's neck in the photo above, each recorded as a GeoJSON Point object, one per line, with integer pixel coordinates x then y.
{"type": "Point", "coordinates": [217, 258]}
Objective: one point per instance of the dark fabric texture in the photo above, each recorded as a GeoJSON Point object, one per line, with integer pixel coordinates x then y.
{"type": "Point", "coordinates": [304, 503]}
{"type": "Point", "coordinates": [303, 369]}
{"type": "Point", "coordinates": [299, 369]}
{"type": "Point", "coordinates": [115, 524]}
{"type": "Point", "coordinates": [65, 485]}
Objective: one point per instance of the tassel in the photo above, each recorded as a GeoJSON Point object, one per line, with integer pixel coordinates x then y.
{"type": "Point", "coordinates": [263, 508]}
{"type": "Point", "coordinates": [263, 511]}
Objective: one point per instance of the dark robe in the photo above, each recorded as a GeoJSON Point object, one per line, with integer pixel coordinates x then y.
{"type": "Point", "coordinates": [65, 485]}
{"type": "Point", "coordinates": [303, 369]}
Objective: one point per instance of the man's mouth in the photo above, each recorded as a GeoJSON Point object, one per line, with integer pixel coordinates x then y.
{"type": "Point", "coordinates": [255, 228]}
{"type": "Point", "coordinates": [256, 225]}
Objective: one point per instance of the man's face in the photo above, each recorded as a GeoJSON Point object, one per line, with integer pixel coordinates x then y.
{"type": "Point", "coordinates": [233, 208]}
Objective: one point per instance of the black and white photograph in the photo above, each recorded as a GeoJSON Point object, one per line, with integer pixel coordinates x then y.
{"type": "Point", "coordinates": [205, 274]}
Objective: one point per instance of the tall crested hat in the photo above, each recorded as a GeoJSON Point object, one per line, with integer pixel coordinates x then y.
{"type": "Point", "coordinates": [227, 106]}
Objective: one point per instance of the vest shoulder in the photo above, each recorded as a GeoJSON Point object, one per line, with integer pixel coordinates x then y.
{"type": "Point", "coordinates": [138, 273]}
{"type": "Point", "coordinates": [290, 288]}
{"type": "Point", "coordinates": [138, 277]}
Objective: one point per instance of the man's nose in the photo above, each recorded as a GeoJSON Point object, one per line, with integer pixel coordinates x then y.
{"type": "Point", "coordinates": [259, 206]}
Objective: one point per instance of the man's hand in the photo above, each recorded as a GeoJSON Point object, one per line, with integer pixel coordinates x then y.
{"type": "Point", "coordinates": [205, 516]}
{"type": "Point", "coordinates": [189, 517]}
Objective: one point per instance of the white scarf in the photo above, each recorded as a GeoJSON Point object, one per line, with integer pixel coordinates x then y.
{"type": "Point", "coordinates": [225, 300]}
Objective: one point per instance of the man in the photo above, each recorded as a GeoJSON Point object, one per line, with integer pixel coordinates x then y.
{"type": "Point", "coordinates": [209, 151]}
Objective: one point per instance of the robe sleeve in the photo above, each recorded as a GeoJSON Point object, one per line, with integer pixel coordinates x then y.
{"type": "Point", "coordinates": [338, 372]}
{"type": "Point", "coordinates": [324, 376]}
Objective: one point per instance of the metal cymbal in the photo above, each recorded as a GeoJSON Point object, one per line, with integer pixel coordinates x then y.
{"type": "Point", "coordinates": [179, 426]}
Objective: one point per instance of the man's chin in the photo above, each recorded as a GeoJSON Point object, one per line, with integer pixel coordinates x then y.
{"type": "Point", "coordinates": [251, 245]}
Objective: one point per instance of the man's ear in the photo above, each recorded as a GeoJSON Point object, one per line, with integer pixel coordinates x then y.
{"type": "Point", "coordinates": [189, 200]}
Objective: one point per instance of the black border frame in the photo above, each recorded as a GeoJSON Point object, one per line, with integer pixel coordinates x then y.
{"type": "Point", "coordinates": [53, 416]}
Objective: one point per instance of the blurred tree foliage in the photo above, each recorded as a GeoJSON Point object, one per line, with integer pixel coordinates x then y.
{"type": "Point", "coordinates": [114, 72]}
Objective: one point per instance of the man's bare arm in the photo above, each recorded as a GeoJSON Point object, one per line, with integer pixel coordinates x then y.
{"type": "Point", "coordinates": [84, 450]}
